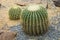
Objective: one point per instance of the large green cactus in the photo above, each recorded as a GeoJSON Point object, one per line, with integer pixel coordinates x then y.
{"type": "Point", "coordinates": [14, 13]}
{"type": "Point", "coordinates": [35, 20]}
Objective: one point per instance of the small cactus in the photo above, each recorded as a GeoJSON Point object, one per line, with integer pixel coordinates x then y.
{"type": "Point", "coordinates": [14, 13]}
{"type": "Point", "coordinates": [35, 20]}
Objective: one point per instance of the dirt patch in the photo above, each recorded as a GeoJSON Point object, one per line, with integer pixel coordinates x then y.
{"type": "Point", "coordinates": [4, 12]}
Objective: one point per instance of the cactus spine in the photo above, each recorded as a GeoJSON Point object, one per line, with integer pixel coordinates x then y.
{"type": "Point", "coordinates": [14, 13]}
{"type": "Point", "coordinates": [35, 20]}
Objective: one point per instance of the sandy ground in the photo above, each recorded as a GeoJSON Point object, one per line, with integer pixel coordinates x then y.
{"type": "Point", "coordinates": [4, 12]}
{"type": "Point", "coordinates": [8, 4]}
{"type": "Point", "coordinates": [5, 16]}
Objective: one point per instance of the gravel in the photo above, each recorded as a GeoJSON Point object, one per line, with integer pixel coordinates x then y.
{"type": "Point", "coordinates": [52, 34]}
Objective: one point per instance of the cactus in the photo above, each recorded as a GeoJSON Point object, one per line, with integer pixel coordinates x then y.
{"type": "Point", "coordinates": [14, 13]}
{"type": "Point", "coordinates": [35, 20]}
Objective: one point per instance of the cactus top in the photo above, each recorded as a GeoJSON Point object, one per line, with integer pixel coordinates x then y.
{"type": "Point", "coordinates": [15, 7]}
{"type": "Point", "coordinates": [34, 7]}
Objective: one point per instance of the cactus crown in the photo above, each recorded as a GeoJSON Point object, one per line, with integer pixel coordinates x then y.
{"type": "Point", "coordinates": [33, 7]}
{"type": "Point", "coordinates": [35, 20]}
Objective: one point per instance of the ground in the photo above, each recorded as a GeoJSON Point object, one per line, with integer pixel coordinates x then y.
{"type": "Point", "coordinates": [9, 3]}
{"type": "Point", "coordinates": [5, 21]}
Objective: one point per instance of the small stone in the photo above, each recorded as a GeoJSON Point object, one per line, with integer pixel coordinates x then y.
{"type": "Point", "coordinates": [58, 27]}
{"type": "Point", "coordinates": [0, 5]}
{"type": "Point", "coordinates": [47, 38]}
{"type": "Point", "coordinates": [57, 3]}
{"type": "Point", "coordinates": [32, 39]}
{"type": "Point", "coordinates": [58, 38]}
{"type": "Point", "coordinates": [7, 35]}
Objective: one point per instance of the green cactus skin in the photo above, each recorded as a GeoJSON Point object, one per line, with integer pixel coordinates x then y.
{"type": "Point", "coordinates": [35, 22]}
{"type": "Point", "coordinates": [14, 13]}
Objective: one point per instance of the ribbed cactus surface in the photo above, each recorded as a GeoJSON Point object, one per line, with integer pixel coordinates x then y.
{"type": "Point", "coordinates": [35, 20]}
{"type": "Point", "coordinates": [14, 13]}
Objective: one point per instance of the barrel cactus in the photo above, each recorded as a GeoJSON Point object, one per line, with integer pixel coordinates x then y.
{"type": "Point", "coordinates": [35, 20]}
{"type": "Point", "coordinates": [14, 13]}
